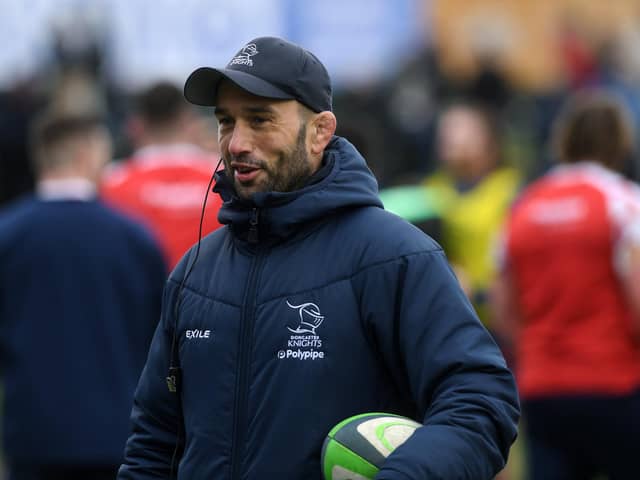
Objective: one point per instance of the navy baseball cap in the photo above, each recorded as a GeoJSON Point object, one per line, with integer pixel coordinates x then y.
{"type": "Point", "coordinates": [267, 67]}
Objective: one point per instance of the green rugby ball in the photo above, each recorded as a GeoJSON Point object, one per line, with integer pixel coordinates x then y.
{"type": "Point", "coordinates": [356, 448]}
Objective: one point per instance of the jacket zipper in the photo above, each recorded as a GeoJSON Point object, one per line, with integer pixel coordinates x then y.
{"type": "Point", "coordinates": [245, 347]}
{"type": "Point", "coordinates": [253, 226]}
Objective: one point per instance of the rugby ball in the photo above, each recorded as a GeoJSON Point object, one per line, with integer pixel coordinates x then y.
{"type": "Point", "coordinates": [356, 448]}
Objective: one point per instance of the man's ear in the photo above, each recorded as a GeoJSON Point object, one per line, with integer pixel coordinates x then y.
{"type": "Point", "coordinates": [323, 126]}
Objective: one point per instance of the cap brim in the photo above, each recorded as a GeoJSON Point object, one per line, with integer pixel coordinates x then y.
{"type": "Point", "coordinates": [201, 88]}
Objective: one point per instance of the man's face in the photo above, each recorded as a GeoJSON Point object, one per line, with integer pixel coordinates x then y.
{"type": "Point", "coordinates": [464, 144]}
{"type": "Point", "coordinates": [262, 142]}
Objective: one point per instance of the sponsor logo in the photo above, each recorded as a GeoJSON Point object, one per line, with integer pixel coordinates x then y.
{"type": "Point", "coordinates": [304, 343]}
{"type": "Point", "coordinates": [300, 354]}
{"type": "Point", "coordinates": [194, 334]}
{"type": "Point", "coordinates": [244, 57]}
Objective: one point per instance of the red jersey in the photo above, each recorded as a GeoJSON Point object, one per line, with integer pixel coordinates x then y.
{"type": "Point", "coordinates": [564, 250]}
{"type": "Point", "coordinates": [164, 188]}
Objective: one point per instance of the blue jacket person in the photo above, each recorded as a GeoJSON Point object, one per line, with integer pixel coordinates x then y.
{"type": "Point", "coordinates": [319, 305]}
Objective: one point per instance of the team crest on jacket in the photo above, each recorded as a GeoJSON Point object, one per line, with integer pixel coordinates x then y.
{"type": "Point", "coordinates": [304, 343]}
{"type": "Point", "coordinates": [310, 318]}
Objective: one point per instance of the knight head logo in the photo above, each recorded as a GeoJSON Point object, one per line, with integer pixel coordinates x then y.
{"type": "Point", "coordinates": [244, 56]}
{"type": "Point", "coordinates": [310, 318]}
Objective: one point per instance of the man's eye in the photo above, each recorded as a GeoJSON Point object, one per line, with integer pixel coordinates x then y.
{"type": "Point", "coordinates": [258, 120]}
{"type": "Point", "coordinates": [224, 121]}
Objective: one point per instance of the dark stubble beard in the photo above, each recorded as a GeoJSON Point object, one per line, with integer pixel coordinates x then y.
{"type": "Point", "coordinates": [293, 168]}
{"type": "Point", "coordinates": [290, 172]}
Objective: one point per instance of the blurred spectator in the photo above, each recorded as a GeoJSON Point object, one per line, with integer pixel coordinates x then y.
{"type": "Point", "coordinates": [165, 182]}
{"type": "Point", "coordinates": [569, 294]}
{"type": "Point", "coordinates": [80, 299]}
{"type": "Point", "coordinates": [475, 190]}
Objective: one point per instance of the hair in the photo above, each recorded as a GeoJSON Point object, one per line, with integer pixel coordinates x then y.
{"type": "Point", "coordinates": [161, 105]}
{"type": "Point", "coordinates": [593, 125]}
{"type": "Point", "coordinates": [305, 112]}
{"type": "Point", "coordinates": [50, 130]}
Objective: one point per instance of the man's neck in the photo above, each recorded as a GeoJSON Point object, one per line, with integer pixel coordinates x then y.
{"type": "Point", "coordinates": [56, 186]}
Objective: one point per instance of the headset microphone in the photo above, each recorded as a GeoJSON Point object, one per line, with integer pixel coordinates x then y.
{"type": "Point", "coordinates": [174, 376]}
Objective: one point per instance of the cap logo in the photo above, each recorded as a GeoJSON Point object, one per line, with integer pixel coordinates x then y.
{"type": "Point", "coordinates": [244, 58]}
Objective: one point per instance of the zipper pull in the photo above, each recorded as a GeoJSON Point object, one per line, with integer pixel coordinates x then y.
{"type": "Point", "coordinates": [253, 226]}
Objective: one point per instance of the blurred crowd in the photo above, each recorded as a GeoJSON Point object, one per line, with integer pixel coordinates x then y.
{"type": "Point", "coordinates": [452, 153]}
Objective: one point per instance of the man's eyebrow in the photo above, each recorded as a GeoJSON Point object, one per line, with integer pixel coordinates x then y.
{"type": "Point", "coordinates": [221, 111]}
{"type": "Point", "coordinates": [260, 109]}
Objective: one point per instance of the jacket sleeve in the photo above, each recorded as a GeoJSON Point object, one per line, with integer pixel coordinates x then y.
{"type": "Point", "coordinates": [156, 418]}
{"type": "Point", "coordinates": [446, 364]}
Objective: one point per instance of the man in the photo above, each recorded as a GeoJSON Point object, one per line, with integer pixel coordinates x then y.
{"type": "Point", "coordinates": [164, 184]}
{"type": "Point", "coordinates": [312, 304]}
{"type": "Point", "coordinates": [569, 296]}
{"type": "Point", "coordinates": [81, 288]}
{"type": "Point", "coordinates": [475, 191]}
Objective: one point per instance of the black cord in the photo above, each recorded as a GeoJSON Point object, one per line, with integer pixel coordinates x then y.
{"type": "Point", "coordinates": [195, 258]}
{"type": "Point", "coordinates": [174, 378]}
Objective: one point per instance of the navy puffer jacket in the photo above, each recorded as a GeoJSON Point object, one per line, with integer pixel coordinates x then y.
{"type": "Point", "coordinates": [307, 308]}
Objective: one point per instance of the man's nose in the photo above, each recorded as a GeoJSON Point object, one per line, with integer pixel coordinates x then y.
{"type": "Point", "coordinates": [240, 142]}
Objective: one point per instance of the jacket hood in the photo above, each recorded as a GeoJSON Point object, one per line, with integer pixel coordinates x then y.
{"type": "Point", "coordinates": [345, 182]}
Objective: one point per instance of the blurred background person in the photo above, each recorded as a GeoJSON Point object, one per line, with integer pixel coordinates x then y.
{"type": "Point", "coordinates": [474, 190]}
{"type": "Point", "coordinates": [165, 181]}
{"type": "Point", "coordinates": [569, 295]}
{"type": "Point", "coordinates": [80, 299]}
